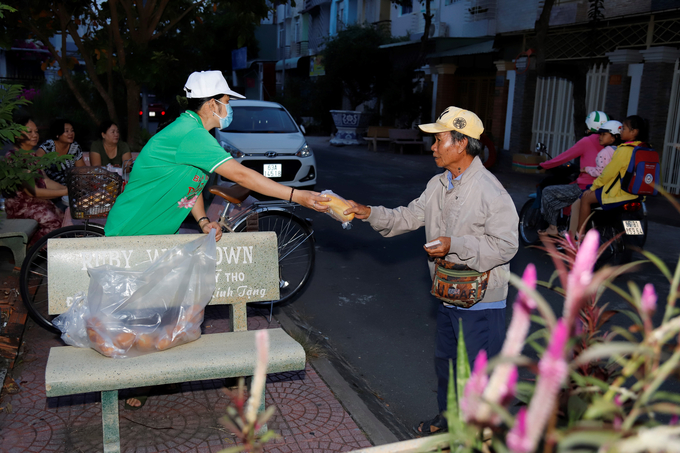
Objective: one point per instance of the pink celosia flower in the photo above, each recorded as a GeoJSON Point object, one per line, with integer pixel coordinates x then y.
{"type": "Point", "coordinates": [552, 371]}
{"type": "Point", "coordinates": [674, 420]}
{"type": "Point", "coordinates": [648, 300]}
{"type": "Point", "coordinates": [260, 376]}
{"type": "Point", "coordinates": [516, 439]}
{"type": "Point", "coordinates": [521, 316]}
{"type": "Point", "coordinates": [580, 276]}
{"type": "Point", "coordinates": [501, 386]}
{"type": "Point", "coordinates": [472, 394]}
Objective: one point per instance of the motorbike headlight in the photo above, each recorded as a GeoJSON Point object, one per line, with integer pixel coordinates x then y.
{"type": "Point", "coordinates": [231, 149]}
{"type": "Point", "coordinates": [304, 151]}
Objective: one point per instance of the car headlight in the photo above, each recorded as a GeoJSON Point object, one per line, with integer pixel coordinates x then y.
{"type": "Point", "coordinates": [304, 151]}
{"type": "Point", "coordinates": [231, 149]}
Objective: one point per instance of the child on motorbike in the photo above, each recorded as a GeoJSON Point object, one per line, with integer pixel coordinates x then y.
{"type": "Point", "coordinates": [606, 190]}
{"type": "Point", "coordinates": [554, 198]}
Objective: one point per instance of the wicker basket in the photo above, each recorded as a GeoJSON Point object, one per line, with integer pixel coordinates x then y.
{"type": "Point", "coordinates": [92, 191]}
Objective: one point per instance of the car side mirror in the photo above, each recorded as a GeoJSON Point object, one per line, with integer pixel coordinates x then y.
{"type": "Point", "coordinates": [302, 128]}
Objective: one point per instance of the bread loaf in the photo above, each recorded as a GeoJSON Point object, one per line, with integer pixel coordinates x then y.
{"type": "Point", "coordinates": [338, 206]}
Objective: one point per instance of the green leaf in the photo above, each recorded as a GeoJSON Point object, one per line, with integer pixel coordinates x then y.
{"type": "Point", "coordinates": [579, 439]}
{"type": "Point", "coordinates": [658, 262]}
{"type": "Point", "coordinates": [664, 408]}
{"type": "Point", "coordinates": [543, 306]}
{"type": "Point", "coordinates": [462, 365]}
{"type": "Point", "coordinates": [538, 320]}
{"type": "Point", "coordinates": [576, 407]}
{"type": "Point", "coordinates": [632, 315]}
{"type": "Point", "coordinates": [601, 408]}
{"type": "Point", "coordinates": [661, 375]}
{"type": "Point", "coordinates": [624, 333]}
{"type": "Point", "coordinates": [524, 391]}
{"type": "Point", "coordinates": [614, 348]}
{"type": "Point", "coordinates": [668, 396]}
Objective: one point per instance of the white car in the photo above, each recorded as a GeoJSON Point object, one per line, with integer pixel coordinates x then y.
{"type": "Point", "coordinates": [263, 136]}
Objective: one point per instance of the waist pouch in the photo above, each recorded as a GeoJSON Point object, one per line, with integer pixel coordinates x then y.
{"type": "Point", "coordinates": [458, 285]}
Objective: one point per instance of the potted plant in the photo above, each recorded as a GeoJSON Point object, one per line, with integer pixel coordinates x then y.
{"type": "Point", "coordinates": [354, 63]}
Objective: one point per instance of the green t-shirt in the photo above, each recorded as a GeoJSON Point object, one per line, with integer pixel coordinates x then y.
{"type": "Point", "coordinates": [166, 179]}
{"type": "Point", "coordinates": [98, 147]}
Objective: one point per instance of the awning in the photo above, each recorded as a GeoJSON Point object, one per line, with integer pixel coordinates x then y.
{"type": "Point", "coordinates": [472, 49]}
{"type": "Point", "coordinates": [291, 63]}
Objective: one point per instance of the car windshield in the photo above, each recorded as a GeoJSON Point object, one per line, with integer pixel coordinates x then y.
{"type": "Point", "coordinates": [249, 120]}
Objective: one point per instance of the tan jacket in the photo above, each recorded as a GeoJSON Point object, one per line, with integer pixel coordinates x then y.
{"type": "Point", "coordinates": [477, 214]}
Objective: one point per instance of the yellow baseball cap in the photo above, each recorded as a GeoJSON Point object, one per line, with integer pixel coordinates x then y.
{"type": "Point", "coordinates": [456, 119]}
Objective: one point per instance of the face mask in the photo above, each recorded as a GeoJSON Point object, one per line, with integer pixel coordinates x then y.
{"type": "Point", "coordinates": [226, 121]}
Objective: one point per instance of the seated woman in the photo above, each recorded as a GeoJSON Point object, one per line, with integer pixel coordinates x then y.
{"type": "Point", "coordinates": [556, 197]}
{"type": "Point", "coordinates": [606, 189]}
{"type": "Point", "coordinates": [34, 202]}
{"type": "Point", "coordinates": [62, 142]}
{"type": "Point", "coordinates": [109, 150]}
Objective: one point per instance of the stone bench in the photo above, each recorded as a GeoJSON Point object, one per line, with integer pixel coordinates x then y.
{"type": "Point", "coordinates": [401, 137]}
{"type": "Point", "coordinates": [247, 271]}
{"type": "Point", "coordinates": [15, 234]}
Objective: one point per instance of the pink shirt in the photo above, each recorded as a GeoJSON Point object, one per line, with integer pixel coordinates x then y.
{"type": "Point", "coordinates": [587, 149]}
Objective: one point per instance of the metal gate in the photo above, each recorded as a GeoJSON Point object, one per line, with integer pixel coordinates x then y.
{"type": "Point", "coordinates": [670, 164]}
{"type": "Point", "coordinates": [554, 108]}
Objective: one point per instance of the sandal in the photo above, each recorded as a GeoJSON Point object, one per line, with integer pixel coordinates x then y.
{"type": "Point", "coordinates": [436, 425]}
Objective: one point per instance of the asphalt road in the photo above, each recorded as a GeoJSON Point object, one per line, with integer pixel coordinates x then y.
{"type": "Point", "coordinates": [368, 302]}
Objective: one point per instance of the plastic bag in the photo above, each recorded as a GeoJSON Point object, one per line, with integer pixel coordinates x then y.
{"type": "Point", "coordinates": [130, 313]}
{"type": "Point", "coordinates": [338, 205]}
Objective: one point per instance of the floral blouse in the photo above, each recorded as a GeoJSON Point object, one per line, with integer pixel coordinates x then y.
{"type": "Point", "coordinates": [58, 172]}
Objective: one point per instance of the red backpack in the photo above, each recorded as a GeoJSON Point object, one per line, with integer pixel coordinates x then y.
{"type": "Point", "coordinates": [642, 173]}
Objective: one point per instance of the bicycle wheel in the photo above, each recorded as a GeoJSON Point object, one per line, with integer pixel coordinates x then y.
{"type": "Point", "coordinates": [33, 277]}
{"type": "Point", "coordinates": [529, 223]}
{"type": "Point", "coordinates": [296, 249]}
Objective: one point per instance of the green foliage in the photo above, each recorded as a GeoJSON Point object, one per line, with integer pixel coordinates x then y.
{"type": "Point", "coordinates": [354, 62]}
{"type": "Point", "coordinates": [10, 99]}
{"type": "Point", "coordinates": [21, 169]}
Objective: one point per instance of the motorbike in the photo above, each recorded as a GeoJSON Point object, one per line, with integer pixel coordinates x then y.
{"type": "Point", "coordinates": [624, 228]}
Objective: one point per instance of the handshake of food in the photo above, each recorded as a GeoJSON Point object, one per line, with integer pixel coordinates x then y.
{"type": "Point", "coordinates": [338, 206]}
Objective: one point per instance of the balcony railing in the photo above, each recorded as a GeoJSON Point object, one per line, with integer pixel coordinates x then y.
{"type": "Point", "coordinates": [300, 49]}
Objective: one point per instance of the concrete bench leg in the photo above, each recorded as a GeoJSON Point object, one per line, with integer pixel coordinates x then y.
{"type": "Point", "coordinates": [110, 421]}
{"type": "Point", "coordinates": [18, 247]}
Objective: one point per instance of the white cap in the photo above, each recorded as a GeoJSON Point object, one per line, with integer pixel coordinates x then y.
{"type": "Point", "coordinates": [205, 84]}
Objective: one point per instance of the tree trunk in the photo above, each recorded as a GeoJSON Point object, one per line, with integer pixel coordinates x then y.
{"type": "Point", "coordinates": [133, 91]}
{"type": "Point", "coordinates": [541, 29]}
{"type": "Point", "coordinates": [426, 33]}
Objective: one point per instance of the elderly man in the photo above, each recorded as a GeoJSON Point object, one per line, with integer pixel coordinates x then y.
{"type": "Point", "coordinates": [472, 220]}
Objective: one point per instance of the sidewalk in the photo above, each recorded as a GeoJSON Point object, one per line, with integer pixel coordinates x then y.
{"type": "Point", "coordinates": [309, 417]}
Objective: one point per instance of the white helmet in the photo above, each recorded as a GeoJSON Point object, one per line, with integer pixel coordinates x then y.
{"type": "Point", "coordinates": [612, 126]}
{"type": "Point", "coordinates": [596, 119]}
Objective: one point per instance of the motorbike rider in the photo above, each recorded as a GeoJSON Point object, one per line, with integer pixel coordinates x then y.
{"type": "Point", "coordinates": [556, 197]}
{"type": "Point", "coordinates": [610, 138]}
{"type": "Point", "coordinates": [635, 132]}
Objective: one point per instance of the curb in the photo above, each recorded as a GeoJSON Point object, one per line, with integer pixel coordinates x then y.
{"type": "Point", "coordinates": [335, 373]}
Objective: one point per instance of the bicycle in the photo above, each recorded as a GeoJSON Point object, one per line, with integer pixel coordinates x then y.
{"type": "Point", "coordinates": [294, 234]}
{"type": "Point", "coordinates": [241, 213]}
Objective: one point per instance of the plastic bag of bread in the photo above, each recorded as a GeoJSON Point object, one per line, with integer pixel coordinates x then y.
{"type": "Point", "coordinates": [130, 313]}
{"type": "Point", "coordinates": [338, 205]}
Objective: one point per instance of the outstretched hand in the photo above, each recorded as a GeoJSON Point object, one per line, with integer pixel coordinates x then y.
{"type": "Point", "coordinates": [360, 211]}
{"type": "Point", "coordinates": [311, 200]}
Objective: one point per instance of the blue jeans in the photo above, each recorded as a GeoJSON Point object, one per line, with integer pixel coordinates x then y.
{"type": "Point", "coordinates": [482, 329]}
